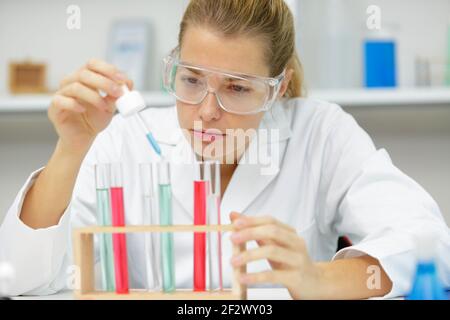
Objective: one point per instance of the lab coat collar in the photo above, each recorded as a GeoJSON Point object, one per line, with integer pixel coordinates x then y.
{"type": "Point", "coordinates": [258, 166]}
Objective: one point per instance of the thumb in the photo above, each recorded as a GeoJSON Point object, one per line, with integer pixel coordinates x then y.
{"type": "Point", "coordinates": [111, 102]}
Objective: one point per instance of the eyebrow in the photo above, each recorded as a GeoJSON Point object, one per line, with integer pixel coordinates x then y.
{"type": "Point", "coordinates": [193, 70]}
{"type": "Point", "coordinates": [239, 77]}
{"type": "Point", "coordinates": [235, 79]}
{"type": "Point", "coordinates": [199, 72]}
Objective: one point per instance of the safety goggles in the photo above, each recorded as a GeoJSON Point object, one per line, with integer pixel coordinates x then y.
{"type": "Point", "coordinates": [235, 93]}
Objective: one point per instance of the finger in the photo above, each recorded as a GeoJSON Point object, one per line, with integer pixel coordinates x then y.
{"type": "Point", "coordinates": [272, 253]}
{"type": "Point", "coordinates": [235, 215]}
{"type": "Point", "coordinates": [73, 77]}
{"type": "Point", "coordinates": [85, 94]}
{"type": "Point", "coordinates": [265, 242]}
{"type": "Point", "coordinates": [129, 83]}
{"type": "Point", "coordinates": [245, 222]}
{"type": "Point", "coordinates": [97, 81]}
{"type": "Point", "coordinates": [111, 102]}
{"type": "Point", "coordinates": [109, 71]}
{"type": "Point", "coordinates": [272, 277]}
{"type": "Point", "coordinates": [66, 103]}
{"type": "Point", "coordinates": [267, 232]}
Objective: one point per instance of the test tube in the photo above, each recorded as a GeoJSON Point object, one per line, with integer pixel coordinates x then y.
{"type": "Point", "coordinates": [212, 174]}
{"type": "Point", "coordinates": [150, 212]}
{"type": "Point", "coordinates": [118, 220]}
{"type": "Point", "coordinates": [200, 196]}
{"type": "Point", "coordinates": [165, 218]}
{"type": "Point", "coordinates": [102, 185]}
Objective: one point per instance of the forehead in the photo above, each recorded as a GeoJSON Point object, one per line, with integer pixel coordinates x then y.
{"type": "Point", "coordinates": [238, 54]}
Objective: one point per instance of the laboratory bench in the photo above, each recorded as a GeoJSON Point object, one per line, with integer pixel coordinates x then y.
{"type": "Point", "coordinates": [252, 294]}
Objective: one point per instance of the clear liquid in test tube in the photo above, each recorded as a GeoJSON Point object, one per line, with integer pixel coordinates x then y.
{"type": "Point", "coordinates": [212, 176]}
{"type": "Point", "coordinates": [102, 185]}
{"type": "Point", "coordinates": [165, 218]}
{"type": "Point", "coordinates": [150, 217]}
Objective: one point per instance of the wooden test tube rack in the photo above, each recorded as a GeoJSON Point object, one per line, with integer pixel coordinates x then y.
{"type": "Point", "coordinates": [84, 260]}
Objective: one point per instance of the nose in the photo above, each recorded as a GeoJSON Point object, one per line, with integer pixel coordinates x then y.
{"type": "Point", "coordinates": [209, 109]}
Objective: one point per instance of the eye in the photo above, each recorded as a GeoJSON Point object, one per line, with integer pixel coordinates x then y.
{"type": "Point", "coordinates": [238, 88]}
{"type": "Point", "coordinates": [190, 80]}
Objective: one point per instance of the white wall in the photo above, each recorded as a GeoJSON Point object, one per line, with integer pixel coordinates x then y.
{"type": "Point", "coordinates": [37, 29]}
{"type": "Point", "coordinates": [26, 142]}
{"type": "Point", "coordinates": [417, 139]}
{"type": "Point", "coordinates": [419, 26]}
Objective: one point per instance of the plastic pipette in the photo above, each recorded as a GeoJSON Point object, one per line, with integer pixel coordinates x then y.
{"type": "Point", "coordinates": [130, 104]}
{"type": "Point", "coordinates": [149, 135]}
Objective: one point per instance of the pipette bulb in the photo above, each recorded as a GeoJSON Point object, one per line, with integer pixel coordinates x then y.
{"type": "Point", "coordinates": [131, 102]}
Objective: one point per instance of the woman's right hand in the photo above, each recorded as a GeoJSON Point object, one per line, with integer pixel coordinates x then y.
{"type": "Point", "coordinates": [78, 111]}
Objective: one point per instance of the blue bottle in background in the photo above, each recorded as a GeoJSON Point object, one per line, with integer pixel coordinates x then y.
{"type": "Point", "coordinates": [427, 284]}
{"type": "Point", "coordinates": [380, 63]}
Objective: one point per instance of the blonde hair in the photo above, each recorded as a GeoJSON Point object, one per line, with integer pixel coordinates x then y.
{"type": "Point", "coordinates": [270, 19]}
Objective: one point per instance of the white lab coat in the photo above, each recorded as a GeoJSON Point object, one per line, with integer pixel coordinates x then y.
{"type": "Point", "coordinates": [324, 177]}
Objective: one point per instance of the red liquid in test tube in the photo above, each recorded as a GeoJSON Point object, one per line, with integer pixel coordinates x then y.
{"type": "Point", "coordinates": [200, 193]}
{"type": "Point", "coordinates": [119, 240]}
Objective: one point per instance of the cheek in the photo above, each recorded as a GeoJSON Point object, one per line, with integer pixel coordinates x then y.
{"type": "Point", "coordinates": [245, 122]}
{"type": "Point", "coordinates": [219, 150]}
{"type": "Point", "coordinates": [245, 127]}
{"type": "Point", "coordinates": [186, 115]}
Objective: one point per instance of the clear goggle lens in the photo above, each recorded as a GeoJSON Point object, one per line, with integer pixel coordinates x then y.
{"type": "Point", "coordinates": [235, 94]}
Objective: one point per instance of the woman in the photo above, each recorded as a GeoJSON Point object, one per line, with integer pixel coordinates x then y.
{"type": "Point", "coordinates": [236, 71]}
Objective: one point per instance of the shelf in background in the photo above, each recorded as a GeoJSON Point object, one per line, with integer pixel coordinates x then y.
{"type": "Point", "coordinates": [343, 97]}
{"type": "Point", "coordinates": [24, 103]}
{"type": "Point", "coordinates": [385, 97]}
{"type": "Point", "coordinates": [40, 103]}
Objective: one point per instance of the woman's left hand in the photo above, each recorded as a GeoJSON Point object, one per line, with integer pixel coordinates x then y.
{"type": "Point", "coordinates": [284, 249]}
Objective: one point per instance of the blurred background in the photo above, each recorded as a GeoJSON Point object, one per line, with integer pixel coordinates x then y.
{"type": "Point", "coordinates": [387, 62]}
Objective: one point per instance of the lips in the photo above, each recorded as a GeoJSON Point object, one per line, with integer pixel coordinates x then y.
{"type": "Point", "coordinates": [208, 135]}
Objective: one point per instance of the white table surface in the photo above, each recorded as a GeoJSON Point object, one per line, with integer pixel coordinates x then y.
{"type": "Point", "coordinates": [252, 294]}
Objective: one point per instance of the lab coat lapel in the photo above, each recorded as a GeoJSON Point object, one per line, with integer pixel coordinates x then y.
{"type": "Point", "coordinates": [248, 181]}
{"type": "Point", "coordinates": [251, 178]}
{"type": "Point", "coordinates": [182, 175]}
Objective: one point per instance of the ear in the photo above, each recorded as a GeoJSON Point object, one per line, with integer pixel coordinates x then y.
{"type": "Point", "coordinates": [285, 82]}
